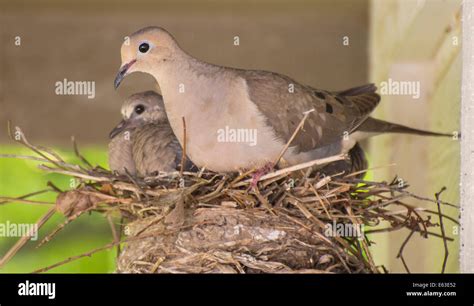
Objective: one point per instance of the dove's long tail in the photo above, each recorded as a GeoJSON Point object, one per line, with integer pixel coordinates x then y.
{"type": "Point", "coordinates": [372, 125]}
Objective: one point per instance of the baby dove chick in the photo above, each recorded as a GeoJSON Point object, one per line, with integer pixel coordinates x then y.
{"type": "Point", "coordinates": [143, 143]}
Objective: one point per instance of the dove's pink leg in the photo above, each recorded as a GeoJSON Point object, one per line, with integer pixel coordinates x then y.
{"type": "Point", "coordinates": [259, 173]}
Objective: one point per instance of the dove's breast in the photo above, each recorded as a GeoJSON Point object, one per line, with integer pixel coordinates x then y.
{"type": "Point", "coordinates": [224, 130]}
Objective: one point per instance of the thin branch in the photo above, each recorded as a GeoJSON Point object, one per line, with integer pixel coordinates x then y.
{"type": "Point", "coordinates": [443, 234]}
{"type": "Point", "coordinates": [35, 149]}
{"type": "Point", "coordinates": [79, 155]}
{"type": "Point", "coordinates": [23, 240]}
{"type": "Point", "coordinates": [26, 196]}
{"type": "Point", "coordinates": [5, 200]}
{"type": "Point", "coordinates": [183, 157]}
{"type": "Point", "coordinates": [298, 128]}
{"type": "Point", "coordinates": [400, 252]}
{"type": "Point", "coordinates": [61, 226]}
{"type": "Point", "coordinates": [316, 162]}
{"type": "Point", "coordinates": [90, 253]}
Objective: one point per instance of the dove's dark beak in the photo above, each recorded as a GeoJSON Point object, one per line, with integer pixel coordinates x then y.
{"type": "Point", "coordinates": [122, 73]}
{"type": "Point", "coordinates": [119, 128]}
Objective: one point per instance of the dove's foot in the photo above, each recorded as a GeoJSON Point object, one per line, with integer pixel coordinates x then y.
{"type": "Point", "coordinates": [259, 173]}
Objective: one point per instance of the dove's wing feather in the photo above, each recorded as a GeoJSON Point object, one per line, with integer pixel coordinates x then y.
{"type": "Point", "coordinates": [120, 155]}
{"type": "Point", "coordinates": [283, 101]}
{"type": "Point", "coordinates": [155, 148]}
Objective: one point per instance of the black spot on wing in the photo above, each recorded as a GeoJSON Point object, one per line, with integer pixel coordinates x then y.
{"type": "Point", "coordinates": [320, 95]}
{"type": "Point", "coordinates": [340, 100]}
{"type": "Point", "coordinates": [329, 108]}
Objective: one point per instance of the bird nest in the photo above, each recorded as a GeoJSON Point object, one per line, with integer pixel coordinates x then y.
{"type": "Point", "coordinates": [296, 220]}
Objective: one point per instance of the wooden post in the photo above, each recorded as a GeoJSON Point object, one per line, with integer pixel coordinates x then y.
{"type": "Point", "coordinates": [467, 141]}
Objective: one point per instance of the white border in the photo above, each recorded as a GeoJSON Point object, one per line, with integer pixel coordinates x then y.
{"type": "Point", "coordinates": [467, 141]}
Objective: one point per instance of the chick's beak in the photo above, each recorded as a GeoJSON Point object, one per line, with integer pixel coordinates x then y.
{"type": "Point", "coordinates": [122, 73]}
{"type": "Point", "coordinates": [124, 124]}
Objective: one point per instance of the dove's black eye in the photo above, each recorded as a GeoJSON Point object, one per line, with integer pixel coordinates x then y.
{"type": "Point", "coordinates": [144, 47]}
{"type": "Point", "coordinates": [139, 109]}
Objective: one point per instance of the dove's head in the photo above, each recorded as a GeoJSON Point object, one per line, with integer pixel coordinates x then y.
{"type": "Point", "coordinates": [146, 50]}
{"type": "Point", "coordinates": [140, 109]}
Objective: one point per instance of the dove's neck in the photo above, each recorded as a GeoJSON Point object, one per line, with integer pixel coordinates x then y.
{"type": "Point", "coordinates": [184, 76]}
{"type": "Point", "coordinates": [190, 88]}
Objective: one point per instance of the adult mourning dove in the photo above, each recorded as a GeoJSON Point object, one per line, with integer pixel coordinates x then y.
{"type": "Point", "coordinates": [240, 119]}
{"type": "Point", "coordinates": [143, 143]}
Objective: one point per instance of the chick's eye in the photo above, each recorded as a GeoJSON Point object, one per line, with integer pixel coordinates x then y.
{"type": "Point", "coordinates": [144, 47]}
{"type": "Point", "coordinates": [139, 109]}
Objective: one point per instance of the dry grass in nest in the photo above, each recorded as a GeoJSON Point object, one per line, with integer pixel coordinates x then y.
{"type": "Point", "coordinates": [216, 223]}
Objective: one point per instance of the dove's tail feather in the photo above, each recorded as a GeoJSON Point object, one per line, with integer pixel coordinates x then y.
{"type": "Point", "coordinates": [372, 125]}
{"type": "Point", "coordinates": [358, 159]}
{"type": "Point", "coordinates": [359, 90]}
{"type": "Point", "coordinates": [356, 162]}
